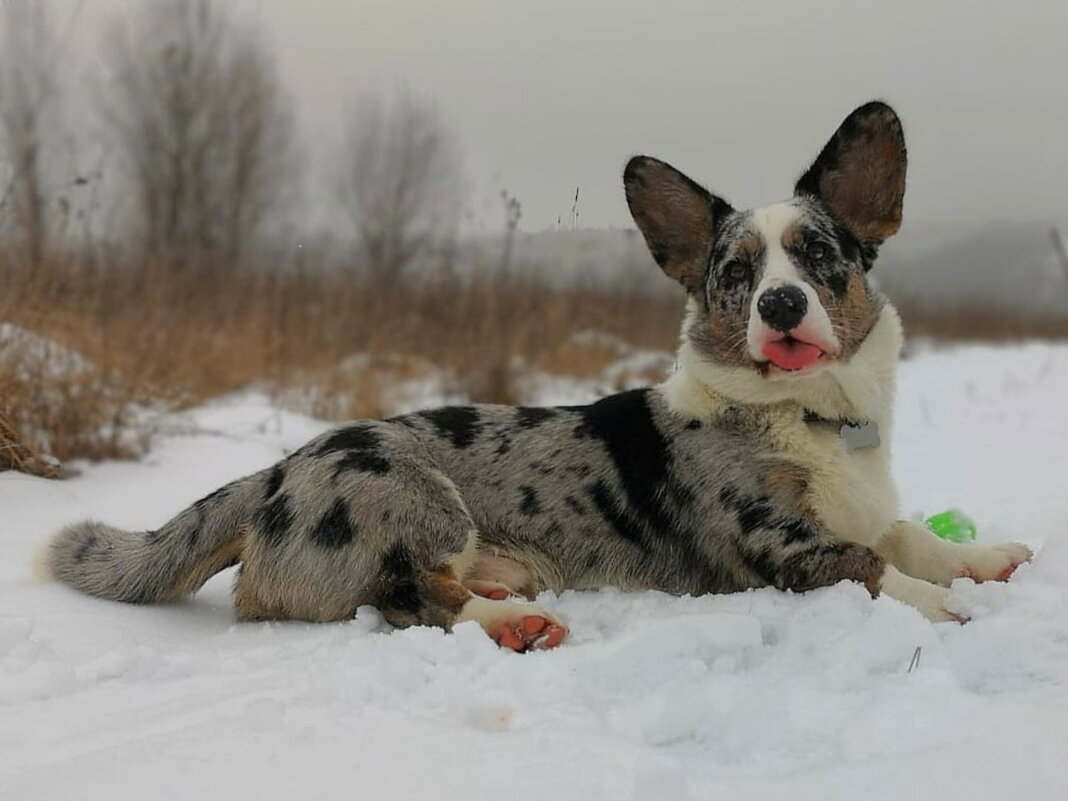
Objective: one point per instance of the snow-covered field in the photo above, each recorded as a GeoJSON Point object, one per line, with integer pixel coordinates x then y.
{"type": "Point", "coordinates": [760, 695]}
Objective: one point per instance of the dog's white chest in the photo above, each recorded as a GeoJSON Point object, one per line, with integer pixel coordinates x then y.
{"type": "Point", "coordinates": [850, 487]}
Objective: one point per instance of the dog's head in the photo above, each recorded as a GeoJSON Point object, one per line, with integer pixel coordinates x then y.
{"type": "Point", "coordinates": [783, 289]}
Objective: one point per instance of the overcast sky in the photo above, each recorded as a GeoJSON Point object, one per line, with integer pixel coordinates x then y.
{"type": "Point", "coordinates": [547, 95]}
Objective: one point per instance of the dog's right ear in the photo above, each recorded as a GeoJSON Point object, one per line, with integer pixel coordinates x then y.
{"type": "Point", "coordinates": [675, 215]}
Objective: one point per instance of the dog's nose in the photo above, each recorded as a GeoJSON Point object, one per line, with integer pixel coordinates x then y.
{"type": "Point", "coordinates": [783, 308]}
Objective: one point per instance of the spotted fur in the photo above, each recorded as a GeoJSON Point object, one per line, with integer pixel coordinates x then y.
{"type": "Point", "coordinates": [729, 476]}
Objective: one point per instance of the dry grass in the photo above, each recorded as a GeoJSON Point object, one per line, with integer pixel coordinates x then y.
{"type": "Point", "coordinates": [981, 324]}
{"type": "Point", "coordinates": [156, 335]}
{"type": "Point", "coordinates": [332, 344]}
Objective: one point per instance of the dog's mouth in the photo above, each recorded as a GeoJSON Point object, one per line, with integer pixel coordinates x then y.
{"type": "Point", "coordinates": [792, 354]}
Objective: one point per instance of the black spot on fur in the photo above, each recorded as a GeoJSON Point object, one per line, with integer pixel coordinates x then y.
{"type": "Point", "coordinates": [574, 505]}
{"type": "Point", "coordinates": [761, 562]}
{"type": "Point", "coordinates": [85, 548]}
{"type": "Point", "coordinates": [397, 563]}
{"type": "Point", "coordinates": [624, 523]}
{"type": "Point", "coordinates": [362, 462]}
{"type": "Point", "coordinates": [504, 446]}
{"type": "Point", "coordinates": [531, 417]}
{"type": "Point", "coordinates": [351, 438]}
{"type": "Point", "coordinates": [274, 482]}
{"type": "Point", "coordinates": [759, 514]}
{"type": "Point", "coordinates": [273, 519]}
{"type": "Point", "coordinates": [754, 514]}
{"type": "Point", "coordinates": [837, 281]}
{"type": "Point", "coordinates": [796, 530]}
{"type": "Point", "coordinates": [530, 505]}
{"type": "Point", "coordinates": [402, 594]}
{"type": "Point", "coordinates": [624, 424]}
{"type": "Point", "coordinates": [460, 424]}
{"type": "Point", "coordinates": [360, 446]}
{"type": "Point", "coordinates": [335, 529]}
{"type": "Point", "coordinates": [693, 425]}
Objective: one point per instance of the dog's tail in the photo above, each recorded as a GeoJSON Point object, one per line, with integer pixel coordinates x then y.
{"type": "Point", "coordinates": [147, 567]}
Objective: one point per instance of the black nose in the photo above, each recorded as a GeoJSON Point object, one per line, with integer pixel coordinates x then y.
{"type": "Point", "coordinates": [783, 308]}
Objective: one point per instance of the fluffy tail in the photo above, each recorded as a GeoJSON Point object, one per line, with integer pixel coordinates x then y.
{"type": "Point", "coordinates": [147, 567]}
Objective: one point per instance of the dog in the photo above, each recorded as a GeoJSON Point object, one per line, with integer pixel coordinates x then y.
{"type": "Point", "coordinates": [762, 461]}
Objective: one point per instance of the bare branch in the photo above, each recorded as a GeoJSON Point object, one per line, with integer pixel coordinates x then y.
{"type": "Point", "coordinates": [402, 183]}
{"type": "Point", "coordinates": [28, 124]}
{"type": "Point", "coordinates": [204, 128]}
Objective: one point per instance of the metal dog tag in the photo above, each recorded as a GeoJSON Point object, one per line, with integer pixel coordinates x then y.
{"type": "Point", "coordinates": [855, 437]}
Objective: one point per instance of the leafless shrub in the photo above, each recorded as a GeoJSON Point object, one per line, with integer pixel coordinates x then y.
{"type": "Point", "coordinates": [203, 128]}
{"type": "Point", "coordinates": [27, 126]}
{"type": "Point", "coordinates": [56, 405]}
{"type": "Point", "coordinates": [401, 182]}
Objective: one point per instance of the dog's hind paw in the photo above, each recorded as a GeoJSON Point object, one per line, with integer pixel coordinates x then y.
{"type": "Point", "coordinates": [520, 627]}
{"type": "Point", "coordinates": [532, 632]}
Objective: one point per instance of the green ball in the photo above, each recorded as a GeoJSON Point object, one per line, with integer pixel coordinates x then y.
{"type": "Point", "coordinates": [953, 525]}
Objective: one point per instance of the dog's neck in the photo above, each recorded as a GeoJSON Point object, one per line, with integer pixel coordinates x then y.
{"type": "Point", "coordinates": [861, 389]}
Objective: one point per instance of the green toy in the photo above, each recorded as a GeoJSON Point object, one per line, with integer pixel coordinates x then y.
{"type": "Point", "coordinates": [953, 525]}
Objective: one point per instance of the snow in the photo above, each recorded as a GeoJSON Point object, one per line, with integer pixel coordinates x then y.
{"type": "Point", "coordinates": [758, 695]}
{"type": "Point", "coordinates": [32, 356]}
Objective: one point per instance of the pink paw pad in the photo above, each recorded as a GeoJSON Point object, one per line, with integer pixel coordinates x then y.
{"type": "Point", "coordinates": [1008, 571]}
{"type": "Point", "coordinates": [532, 632]}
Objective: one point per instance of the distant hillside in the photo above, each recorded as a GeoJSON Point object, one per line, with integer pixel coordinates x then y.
{"type": "Point", "coordinates": [1010, 266]}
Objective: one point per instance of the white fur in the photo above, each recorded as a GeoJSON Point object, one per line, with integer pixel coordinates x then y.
{"type": "Point", "coordinates": [862, 388]}
{"type": "Point", "coordinates": [772, 222]}
{"type": "Point", "coordinates": [921, 554]}
{"type": "Point", "coordinates": [853, 494]}
{"type": "Point", "coordinates": [40, 572]}
{"type": "Point", "coordinates": [929, 598]}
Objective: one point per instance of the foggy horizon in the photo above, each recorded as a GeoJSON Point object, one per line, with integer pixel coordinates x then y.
{"type": "Point", "coordinates": [550, 98]}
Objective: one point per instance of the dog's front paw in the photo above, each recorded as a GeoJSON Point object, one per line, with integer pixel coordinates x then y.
{"type": "Point", "coordinates": [994, 563]}
{"type": "Point", "coordinates": [933, 603]}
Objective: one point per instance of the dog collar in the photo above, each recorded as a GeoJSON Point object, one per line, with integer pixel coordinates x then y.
{"type": "Point", "coordinates": [855, 434]}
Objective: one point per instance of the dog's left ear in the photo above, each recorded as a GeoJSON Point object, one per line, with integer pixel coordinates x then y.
{"type": "Point", "coordinates": [676, 216]}
{"type": "Point", "coordinates": [860, 174]}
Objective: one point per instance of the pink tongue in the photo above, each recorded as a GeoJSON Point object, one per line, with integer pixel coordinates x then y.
{"type": "Point", "coordinates": [791, 354]}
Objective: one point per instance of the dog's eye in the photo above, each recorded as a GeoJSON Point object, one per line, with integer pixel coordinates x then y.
{"type": "Point", "coordinates": [736, 271]}
{"type": "Point", "coordinates": [816, 251]}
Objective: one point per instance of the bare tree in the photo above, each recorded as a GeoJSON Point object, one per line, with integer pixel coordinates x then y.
{"type": "Point", "coordinates": [1060, 249]}
{"type": "Point", "coordinates": [513, 212]}
{"type": "Point", "coordinates": [203, 127]}
{"type": "Point", "coordinates": [27, 103]}
{"type": "Point", "coordinates": [401, 182]}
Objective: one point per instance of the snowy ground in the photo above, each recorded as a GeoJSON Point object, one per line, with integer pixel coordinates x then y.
{"type": "Point", "coordinates": [760, 695]}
